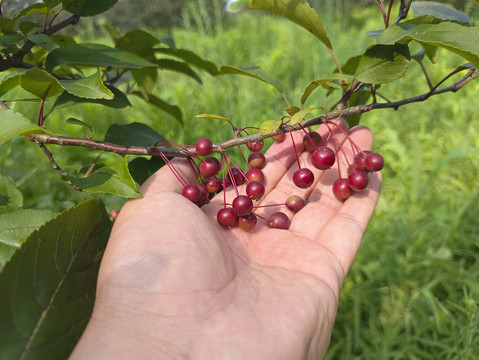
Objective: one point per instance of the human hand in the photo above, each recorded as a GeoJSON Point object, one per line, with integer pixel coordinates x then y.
{"type": "Point", "coordinates": [174, 284]}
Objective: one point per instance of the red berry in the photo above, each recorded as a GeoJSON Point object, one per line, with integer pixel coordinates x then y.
{"type": "Point", "coordinates": [374, 162]}
{"type": "Point", "coordinates": [242, 205]}
{"type": "Point", "coordinates": [255, 175]}
{"type": "Point", "coordinates": [278, 138]}
{"type": "Point", "coordinates": [359, 160]}
{"type": "Point", "coordinates": [255, 145]}
{"type": "Point", "coordinates": [358, 180]}
{"type": "Point", "coordinates": [213, 185]}
{"type": "Point", "coordinates": [192, 192]}
{"type": "Point", "coordinates": [227, 217]}
{"type": "Point", "coordinates": [210, 166]}
{"type": "Point", "coordinates": [203, 194]}
{"type": "Point", "coordinates": [255, 190]}
{"type": "Point", "coordinates": [303, 178]}
{"type": "Point", "coordinates": [295, 203]}
{"type": "Point", "coordinates": [311, 141]}
{"type": "Point", "coordinates": [323, 158]}
{"type": "Point", "coordinates": [204, 147]}
{"type": "Point", "coordinates": [238, 177]}
{"type": "Point", "coordinates": [341, 189]}
{"type": "Point", "coordinates": [257, 160]}
{"type": "Point", "coordinates": [248, 222]}
{"type": "Point", "coordinates": [279, 220]}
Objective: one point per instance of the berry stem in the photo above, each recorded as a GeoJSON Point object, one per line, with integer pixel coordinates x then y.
{"type": "Point", "coordinates": [294, 146]}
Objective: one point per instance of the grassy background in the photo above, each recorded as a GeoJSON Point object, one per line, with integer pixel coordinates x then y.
{"type": "Point", "coordinates": [413, 290]}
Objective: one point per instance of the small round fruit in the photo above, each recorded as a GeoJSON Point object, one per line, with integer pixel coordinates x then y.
{"type": "Point", "coordinates": [114, 214]}
{"type": "Point", "coordinates": [192, 192]}
{"type": "Point", "coordinates": [242, 205]}
{"type": "Point", "coordinates": [213, 185]}
{"type": "Point", "coordinates": [295, 203]}
{"type": "Point", "coordinates": [226, 217]}
{"type": "Point", "coordinates": [257, 160]}
{"type": "Point", "coordinates": [255, 190]}
{"type": "Point", "coordinates": [280, 137]}
{"type": "Point", "coordinates": [210, 166]}
{"type": "Point", "coordinates": [204, 147]}
{"type": "Point", "coordinates": [311, 141]}
{"type": "Point", "coordinates": [358, 180]}
{"type": "Point", "coordinates": [238, 177]}
{"type": "Point", "coordinates": [279, 220]}
{"type": "Point", "coordinates": [248, 222]}
{"type": "Point", "coordinates": [374, 162]}
{"type": "Point", "coordinates": [255, 175]}
{"type": "Point", "coordinates": [303, 178]}
{"type": "Point", "coordinates": [203, 194]}
{"type": "Point", "coordinates": [255, 145]}
{"type": "Point", "coordinates": [323, 158]}
{"type": "Point", "coordinates": [359, 161]}
{"type": "Point", "coordinates": [341, 189]}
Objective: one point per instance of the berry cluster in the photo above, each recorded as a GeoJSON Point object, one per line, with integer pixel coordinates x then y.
{"type": "Point", "coordinates": [241, 211]}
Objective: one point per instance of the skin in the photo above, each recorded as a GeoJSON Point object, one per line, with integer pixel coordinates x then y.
{"type": "Point", "coordinates": [174, 284]}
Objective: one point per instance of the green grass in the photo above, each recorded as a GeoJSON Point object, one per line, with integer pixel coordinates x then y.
{"type": "Point", "coordinates": [413, 290]}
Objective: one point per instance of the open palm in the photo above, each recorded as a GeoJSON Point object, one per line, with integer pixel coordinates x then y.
{"type": "Point", "coordinates": [174, 284]}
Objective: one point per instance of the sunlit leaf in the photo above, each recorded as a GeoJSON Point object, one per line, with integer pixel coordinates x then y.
{"type": "Point", "coordinates": [119, 101]}
{"type": "Point", "coordinates": [315, 84]}
{"type": "Point", "coordinates": [299, 116]}
{"type": "Point", "coordinates": [440, 11]}
{"type": "Point", "coordinates": [91, 87]}
{"type": "Point", "coordinates": [40, 83]}
{"type": "Point", "coordinates": [228, 70]}
{"type": "Point", "coordinates": [213, 116]}
{"type": "Point", "coordinates": [15, 226]}
{"type": "Point", "coordinates": [14, 124]}
{"type": "Point", "coordinates": [269, 126]}
{"type": "Point", "coordinates": [34, 8]}
{"type": "Point", "coordinates": [10, 196]}
{"type": "Point", "coordinates": [298, 11]}
{"type": "Point", "coordinates": [292, 110]}
{"type": "Point", "coordinates": [48, 286]}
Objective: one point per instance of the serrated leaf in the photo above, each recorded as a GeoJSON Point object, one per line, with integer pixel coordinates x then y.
{"type": "Point", "coordinates": [297, 11]}
{"type": "Point", "coordinates": [14, 124]}
{"type": "Point", "coordinates": [119, 101]}
{"type": "Point", "coordinates": [10, 196]}
{"type": "Point", "coordinates": [114, 179]}
{"type": "Point", "coordinates": [191, 58]}
{"type": "Point", "coordinates": [314, 85]}
{"type": "Point", "coordinates": [383, 63]}
{"type": "Point", "coordinates": [48, 286]}
{"type": "Point", "coordinates": [351, 65]}
{"type": "Point", "coordinates": [15, 226]}
{"type": "Point", "coordinates": [230, 70]}
{"type": "Point", "coordinates": [213, 116]}
{"type": "Point", "coordinates": [88, 7]}
{"type": "Point", "coordinates": [94, 55]}
{"type": "Point", "coordinates": [440, 11]}
{"type": "Point", "coordinates": [459, 39]}
{"type": "Point", "coordinates": [269, 126]}
{"type": "Point", "coordinates": [40, 83]}
{"type": "Point", "coordinates": [163, 105]}
{"type": "Point", "coordinates": [299, 116]}
{"type": "Point", "coordinates": [134, 134]}
{"type": "Point", "coordinates": [91, 87]}
{"type": "Point", "coordinates": [178, 66]}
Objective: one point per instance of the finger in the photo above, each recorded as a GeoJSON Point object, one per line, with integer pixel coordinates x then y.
{"type": "Point", "coordinates": [323, 205]}
{"type": "Point", "coordinates": [343, 233]}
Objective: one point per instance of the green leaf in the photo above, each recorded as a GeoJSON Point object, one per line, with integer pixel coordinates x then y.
{"type": "Point", "coordinates": [34, 8]}
{"type": "Point", "coordinates": [119, 101]}
{"type": "Point", "coordinates": [227, 70]}
{"type": "Point", "coordinates": [269, 126]}
{"type": "Point", "coordinates": [297, 11]}
{"type": "Point", "coordinates": [14, 124]}
{"type": "Point", "coordinates": [11, 81]}
{"type": "Point", "coordinates": [27, 26]}
{"type": "Point", "coordinates": [6, 24]}
{"type": "Point", "coordinates": [315, 84]}
{"type": "Point", "coordinates": [88, 7]}
{"type": "Point", "coordinates": [10, 196]}
{"type": "Point", "coordinates": [63, 40]}
{"type": "Point", "coordinates": [138, 42]}
{"type": "Point", "coordinates": [440, 11]}
{"type": "Point", "coordinates": [163, 105]}
{"type": "Point", "coordinates": [114, 179]}
{"type": "Point", "coordinates": [142, 168]}
{"type": "Point", "coordinates": [292, 110]}
{"type": "Point", "coordinates": [299, 116]}
{"type": "Point", "coordinates": [213, 116]}
{"type": "Point", "coordinates": [40, 83]}
{"type": "Point", "coordinates": [15, 226]}
{"type": "Point", "coordinates": [178, 66]}
{"type": "Point", "coordinates": [48, 286]}
{"type": "Point", "coordinates": [43, 41]}
{"type": "Point", "coordinates": [91, 87]}
{"type": "Point", "coordinates": [134, 134]}
{"type": "Point", "coordinates": [94, 55]}
{"type": "Point", "coordinates": [52, 3]}
{"type": "Point", "coordinates": [191, 58]}
{"type": "Point", "coordinates": [383, 63]}
{"type": "Point", "coordinates": [459, 39]}
{"type": "Point", "coordinates": [74, 121]}
{"type": "Point", "coordinates": [146, 80]}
